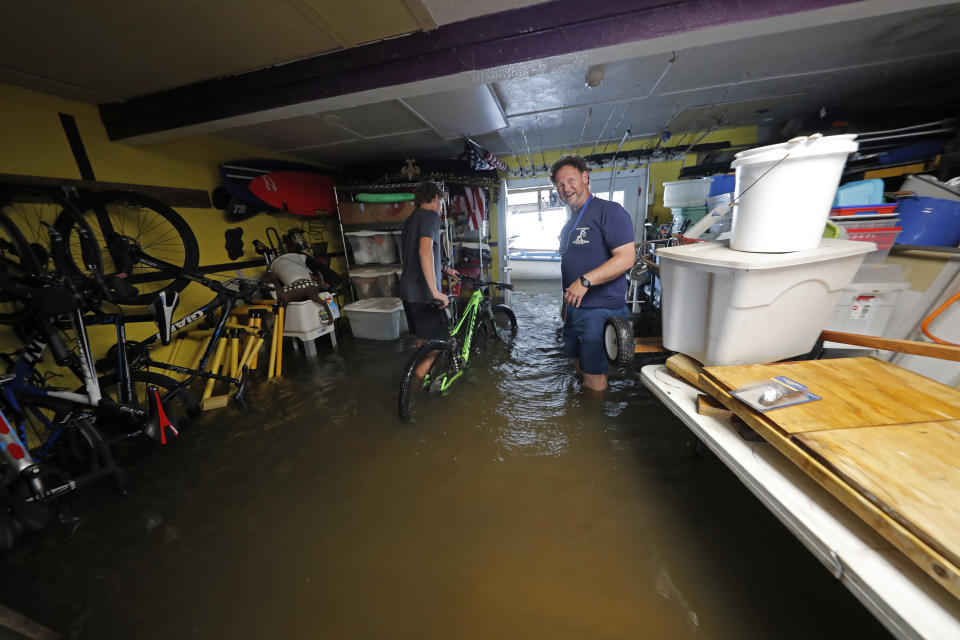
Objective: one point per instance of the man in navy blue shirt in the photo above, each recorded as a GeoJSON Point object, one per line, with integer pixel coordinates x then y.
{"type": "Point", "coordinates": [596, 251]}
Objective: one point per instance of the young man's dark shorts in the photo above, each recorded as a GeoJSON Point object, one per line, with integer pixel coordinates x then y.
{"type": "Point", "coordinates": [425, 320]}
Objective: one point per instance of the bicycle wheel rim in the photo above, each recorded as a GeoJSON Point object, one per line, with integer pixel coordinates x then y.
{"type": "Point", "coordinates": [506, 323]}
{"type": "Point", "coordinates": [156, 229]}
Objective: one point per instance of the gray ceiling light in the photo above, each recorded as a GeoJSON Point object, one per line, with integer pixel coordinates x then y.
{"type": "Point", "coordinates": [594, 76]}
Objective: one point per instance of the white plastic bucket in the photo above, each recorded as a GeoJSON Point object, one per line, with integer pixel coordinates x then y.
{"type": "Point", "coordinates": [686, 193]}
{"type": "Point", "coordinates": [784, 193]}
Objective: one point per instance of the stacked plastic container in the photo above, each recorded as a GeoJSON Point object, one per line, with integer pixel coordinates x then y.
{"type": "Point", "coordinates": [765, 294]}
{"type": "Point", "coordinates": [860, 210]}
{"type": "Point", "coordinates": [686, 200]}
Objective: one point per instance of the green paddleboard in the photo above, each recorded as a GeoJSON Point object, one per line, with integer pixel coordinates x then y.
{"type": "Point", "coordinates": [383, 197]}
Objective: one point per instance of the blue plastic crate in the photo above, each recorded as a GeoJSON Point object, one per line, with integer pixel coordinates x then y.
{"type": "Point", "coordinates": [859, 194]}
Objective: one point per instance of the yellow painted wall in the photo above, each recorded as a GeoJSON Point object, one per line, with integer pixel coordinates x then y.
{"type": "Point", "coordinates": [33, 143]}
{"type": "Point", "coordinates": [660, 172]}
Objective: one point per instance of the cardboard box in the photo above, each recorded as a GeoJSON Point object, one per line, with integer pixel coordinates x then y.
{"type": "Point", "coordinates": [365, 212]}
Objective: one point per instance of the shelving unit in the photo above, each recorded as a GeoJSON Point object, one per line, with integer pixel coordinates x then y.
{"type": "Point", "coordinates": [391, 228]}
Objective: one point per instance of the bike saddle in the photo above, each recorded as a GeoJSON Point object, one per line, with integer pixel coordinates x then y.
{"type": "Point", "coordinates": [162, 309]}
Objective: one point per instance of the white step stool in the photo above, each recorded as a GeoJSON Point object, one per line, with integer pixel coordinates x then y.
{"type": "Point", "coordinates": [307, 321]}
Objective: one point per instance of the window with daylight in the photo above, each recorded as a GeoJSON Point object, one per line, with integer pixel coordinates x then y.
{"type": "Point", "coordinates": [536, 216]}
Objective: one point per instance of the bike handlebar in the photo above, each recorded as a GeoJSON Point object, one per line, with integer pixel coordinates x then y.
{"type": "Point", "coordinates": [485, 283]}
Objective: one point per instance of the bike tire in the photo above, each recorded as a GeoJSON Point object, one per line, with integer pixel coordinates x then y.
{"type": "Point", "coordinates": [413, 388]}
{"type": "Point", "coordinates": [180, 409]}
{"type": "Point", "coordinates": [158, 230]}
{"type": "Point", "coordinates": [19, 264]}
{"type": "Point", "coordinates": [505, 330]}
{"type": "Point", "coordinates": [506, 321]}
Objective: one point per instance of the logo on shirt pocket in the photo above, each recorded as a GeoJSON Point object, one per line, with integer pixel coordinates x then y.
{"type": "Point", "coordinates": [581, 236]}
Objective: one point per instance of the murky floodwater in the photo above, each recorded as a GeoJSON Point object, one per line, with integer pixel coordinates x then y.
{"type": "Point", "coordinates": [516, 507]}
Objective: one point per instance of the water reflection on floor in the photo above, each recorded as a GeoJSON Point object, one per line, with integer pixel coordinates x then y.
{"type": "Point", "coordinates": [515, 507]}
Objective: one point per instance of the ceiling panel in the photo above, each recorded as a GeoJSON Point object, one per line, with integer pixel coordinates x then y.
{"type": "Point", "coordinates": [130, 48]}
{"type": "Point", "coordinates": [448, 11]}
{"type": "Point", "coordinates": [731, 114]}
{"type": "Point", "coordinates": [463, 112]}
{"type": "Point", "coordinates": [413, 145]}
{"type": "Point", "coordinates": [292, 133]}
{"type": "Point", "coordinates": [871, 41]}
{"type": "Point", "coordinates": [378, 119]}
{"type": "Point", "coordinates": [622, 81]}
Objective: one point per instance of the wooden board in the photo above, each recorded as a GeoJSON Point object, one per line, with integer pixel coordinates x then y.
{"type": "Point", "coordinates": [910, 471]}
{"type": "Point", "coordinates": [928, 558]}
{"type": "Point", "coordinates": [928, 349]}
{"type": "Point", "coordinates": [653, 344]}
{"type": "Point", "coordinates": [708, 406]}
{"type": "Point", "coordinates": [685, 368]}
{"type": "Point", "coordinates": [856, 392]}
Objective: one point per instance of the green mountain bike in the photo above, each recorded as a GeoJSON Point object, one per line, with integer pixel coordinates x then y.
{"type": "Point", "coordinates": [481, 324]}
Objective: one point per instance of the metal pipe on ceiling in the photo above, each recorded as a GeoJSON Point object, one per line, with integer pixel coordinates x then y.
{"type": "Point", "coordinates": [613, 178]}
{"type": "Point", "coordinates": [585, 123]}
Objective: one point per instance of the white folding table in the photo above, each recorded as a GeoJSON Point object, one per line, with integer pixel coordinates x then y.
{"type": "Point", "coordinates": [908, 602]}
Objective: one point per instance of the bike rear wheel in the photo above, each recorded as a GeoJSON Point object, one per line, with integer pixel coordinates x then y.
{"type": "Point", "coordinates": [440, 374]}
{"type": "Point", "coordinates": [124, 221]}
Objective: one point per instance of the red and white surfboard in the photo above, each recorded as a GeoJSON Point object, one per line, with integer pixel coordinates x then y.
{"type": "Point", "coordinates": [307, 194]}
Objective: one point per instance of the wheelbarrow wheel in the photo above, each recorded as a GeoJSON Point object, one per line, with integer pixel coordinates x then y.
{"type": "Point", "coordinates": [618, 340]}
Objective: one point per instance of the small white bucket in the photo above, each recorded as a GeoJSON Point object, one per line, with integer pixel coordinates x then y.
{"type": "Point", "coordinates": [784, 193]}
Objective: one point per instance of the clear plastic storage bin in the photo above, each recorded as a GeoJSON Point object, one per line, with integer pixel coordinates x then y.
{"type": "Point", "coordinates": [372, 247]}
{"type": "Point", "coordinates": [375, 282]}
{"type": "Point", "coordinates": [376, 318]}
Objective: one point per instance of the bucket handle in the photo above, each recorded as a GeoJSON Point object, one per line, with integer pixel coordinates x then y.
{"type": "Point", "coordinates": [797, 140]}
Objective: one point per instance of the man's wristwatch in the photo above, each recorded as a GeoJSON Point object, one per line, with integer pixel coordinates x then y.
{"type": "Point", "coordinates": [584, 282]}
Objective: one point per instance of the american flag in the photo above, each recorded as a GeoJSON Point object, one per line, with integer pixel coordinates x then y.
{"type": "Point", "coordinates": [476, 207]}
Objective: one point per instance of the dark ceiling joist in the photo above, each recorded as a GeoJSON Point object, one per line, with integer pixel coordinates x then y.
{"type": "Point", "coordinates": [520, 35]}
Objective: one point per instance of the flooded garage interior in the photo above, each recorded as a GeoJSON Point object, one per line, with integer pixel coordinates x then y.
{"type": "Point", "coordinates": [515, 506]}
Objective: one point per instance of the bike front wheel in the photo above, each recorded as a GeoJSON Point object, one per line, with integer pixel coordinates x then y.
{"type": "Point", "coordinates": [180, 409]}
{"type": "Point", "coordinates": [438, 359]}
{"type": "Point", "coordinates": [500, 326]}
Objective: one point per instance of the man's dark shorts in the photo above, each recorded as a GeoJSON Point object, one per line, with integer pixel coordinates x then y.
{"type": "Point", "coordinates": [425, 320]}
{"type": "Point", "coordinates": [583, 336]}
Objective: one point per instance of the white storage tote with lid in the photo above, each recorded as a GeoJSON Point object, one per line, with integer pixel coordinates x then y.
{"type": "Point", "coordinates": [372, 247]}
{"type": "Point", "coordinates": [375, 282]}
{"type": "Point", "coordinates": [376, 318]}
{"type": "Point", "coordinates": [867, 304]}
{"type": "Point", "coordinates": [784, 192]}
{"type": "Point", "coordinates": [725, 307]}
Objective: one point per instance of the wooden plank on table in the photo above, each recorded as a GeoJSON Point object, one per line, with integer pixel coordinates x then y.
{"type": "Point", "coordinates": [910, 471]}
{"type": "Point", "coordinates": [932, 562]}
{"type": "Point", "coordinates": [856, 392]}
{"type": "Point", "coordinates": [709, 406]}
{"type": "Point", "coordinates": [915, 347]}
{"type": "Point", "coordinates": [685, 368]}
